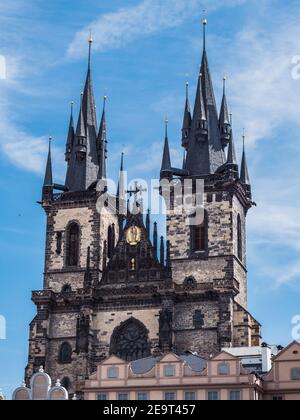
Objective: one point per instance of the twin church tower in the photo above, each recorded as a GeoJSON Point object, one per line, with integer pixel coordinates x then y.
{"type": "Point", "coordinates": [111, 285]}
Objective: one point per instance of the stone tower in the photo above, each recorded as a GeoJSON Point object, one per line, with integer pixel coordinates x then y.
{"type": "Point", "coordinates": [209, 258]}
{"type": "Point", "coordinates": [111, 285]}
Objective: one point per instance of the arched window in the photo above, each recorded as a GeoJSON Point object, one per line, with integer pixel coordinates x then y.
{"type": "Point", "coordinates": [130, 341]}
{"type": "Point", "coordinates": [111, 237]}
{"type": "Point", "coordinates": [223, 369]}
{"type": "Point", "coordinates": [65, 353]}
{"type": "Point", "coordinates": [239, 238]}
{"type": "Point", "coordinates": [73, 245]}
{"type": "Point", "coordinates": [66, 289]}
{"type": "Point", "coordinates": [199, 236]}
{"type": "Point", "coordinates": [66, 383]}
{"type": "Point", "coordinates": [190, 282]}
{"type": "Point", "coordinates": [198, 319]}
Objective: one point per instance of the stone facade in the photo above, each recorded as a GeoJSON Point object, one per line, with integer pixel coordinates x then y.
{"type": "Point", "coordinates": [107, 288]}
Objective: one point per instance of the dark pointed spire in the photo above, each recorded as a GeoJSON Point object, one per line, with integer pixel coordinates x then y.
{"type": "Point", "coordinates": [187, 120]}
{"type": "Point", "coordinates": [121, 193]}
{"type": "Point", "coordinates": [71, 135]}
{"type": "Point", "coordinates": [102, 143]}
{"type": "Point", "coordinates": [245, 179]}
{"type": "Point", "coordinates": [48, 180]}
{"type": "Point", "coordinates": [205, 152]}
{"type": "Point", "coordinates": [166, 167]}
{"type": "Point", "coordinates": [80, 129]}
{"type": "Point", "coordinates": [231, 157]}
{"type": "Point", "coordinates": [162, 250]}
{"type": "Point", "coordinates": [155, 239]}
{"type": "Point", "coordinates": [199, 116]}
{"type": "Point", "coordinates": [83, 172]}
{"type": "Point", "coordinates": [89, 108]}
{"type": "Point", "coordinates": [224, 120]}
{"type": "Point", "coordinates": [148, 223]}
{"type": "Point", "coordinates": [204, 22]}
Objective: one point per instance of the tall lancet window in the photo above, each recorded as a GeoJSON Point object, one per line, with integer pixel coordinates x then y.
{"type": "Point", "coordinates": [73, 245]}
{"type": "Point", "coordinates": [239, 238]}
{"type": "Point", "coordinates": [199, 236]}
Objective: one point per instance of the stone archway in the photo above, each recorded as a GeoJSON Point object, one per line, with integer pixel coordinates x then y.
{"type": "Point", "coordinates": [130, 341]}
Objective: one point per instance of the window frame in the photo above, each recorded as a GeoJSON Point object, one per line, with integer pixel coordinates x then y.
{"type": "Point", "coordinates": [60, 359]}
{"type": "Point", "coordinates": [190, 392]}
{"type": "Point", "coordinates": [123, 394]}
{"type": "Point", "coordinates": [199, 253]}
{"type": "Point", "coordinates": [213, 392]}
{"type": "Point", "coordinates": [295, 377]}
{"type": "Point", "coordinates": [223, 364]}
{"type": "Point", "coordinates": [170, 399]}
{"type": "Point", "coordinates": [240, 245]}
{"type": "Point", "coordinates": [138, 394]}
{"type": "Point", "coordinates": [236, 391]}
{"type": "Point", "coordinates": [68, 264]}
{"type": "Point", "coordinates": [102, 394]}
{"type": "Point", "coordinates": [169, 375]}
{"type": "Point", "coordinates": [112, 369]}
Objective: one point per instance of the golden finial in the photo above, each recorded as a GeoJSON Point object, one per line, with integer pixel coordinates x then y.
{"type": "Point", "coordinates": [224, 84]}
{"type": "Point", "coordinates": [90, 38]}
{"type": "Point", "coordinates": [204, 20]}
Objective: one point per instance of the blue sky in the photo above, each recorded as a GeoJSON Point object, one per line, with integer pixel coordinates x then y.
{"type": "Point", "coordinates": [143, 55]}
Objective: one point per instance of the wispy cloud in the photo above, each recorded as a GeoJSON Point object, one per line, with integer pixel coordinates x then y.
{"type": "Point", "coordinates": [262, 90]}
{"type": "Point", "coordinates": [116, 29]}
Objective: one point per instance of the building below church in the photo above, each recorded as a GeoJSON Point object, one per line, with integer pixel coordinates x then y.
{"type": "Point", "coordinates": [190, 377]}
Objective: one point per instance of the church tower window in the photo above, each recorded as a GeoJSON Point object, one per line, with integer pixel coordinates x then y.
{"type": "Point", "coordinates": [73, 245]}
{"type": "Point", "coordinates": [239, 238]}
{"type": "Point", "coordinates": [199, 234]}
{"type": "Point", "coordinates": [66, 383]}
{"type": "Point", "coordinates": [65, 353]}
{"type": "Point", "coordinates": [130, 341]}
{"type": "Point", "coordinates": [198, 320]}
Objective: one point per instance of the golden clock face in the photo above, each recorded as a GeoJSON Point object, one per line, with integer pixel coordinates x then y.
{"type": "Point", "coordinates": [133, 235]}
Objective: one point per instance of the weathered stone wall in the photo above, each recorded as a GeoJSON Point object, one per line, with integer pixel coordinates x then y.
{"type": "Point", "coordinates": [93, 234]}
{"type": "Point", "coordinates": [105, 322]}
{"type": "Point", "coordinates": [202, 340]}
{"type": "Point", "coordinates": [221, 260]}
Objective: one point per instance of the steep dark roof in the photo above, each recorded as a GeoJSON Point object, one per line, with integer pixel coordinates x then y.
{"type": "Point", "coordinates": [205, 153]}
{"type": "Point", "coordinates": [102, 145]}
{"type": "Point", "coordinates": [48, 180]}
{"type": "Point", "coordinates": [166, 161]}
{"type": "Point", "coordinates": [245, 178]}
{"type": "Point", "coordinates": [84, 170]}
{"type": "Point", "coordinates": [187, 120]}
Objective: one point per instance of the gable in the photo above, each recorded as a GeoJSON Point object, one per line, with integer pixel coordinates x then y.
{"type": "Point", "coordinates": [135, 258]}
{"type": "Point", "coordinates": [113, 360]}
{"type": "Point", "coordinates": [291, 352]}
{"type": "Point", "coordinates": [170, 358]}
{"type": "Point", "coordinates": [224, 356]}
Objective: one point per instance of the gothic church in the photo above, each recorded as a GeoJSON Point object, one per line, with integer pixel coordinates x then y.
{"type": "Point", "coordinates": [111, 285]}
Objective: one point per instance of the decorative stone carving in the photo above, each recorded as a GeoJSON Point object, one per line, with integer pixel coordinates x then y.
{"type": "Point", "coordinates": [130, 341]}
{"type": "Point", "coordinates": [82, 336]}
{"type": "Point", "coordinates": [165, 330]}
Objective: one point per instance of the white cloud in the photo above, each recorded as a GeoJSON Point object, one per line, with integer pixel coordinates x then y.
{"type": "Point", "coordinates": [262, 90]}
{"type": "Point", "coordinates": [116, 29]}
{"type": "Point", "coordinates": [23, 149]}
